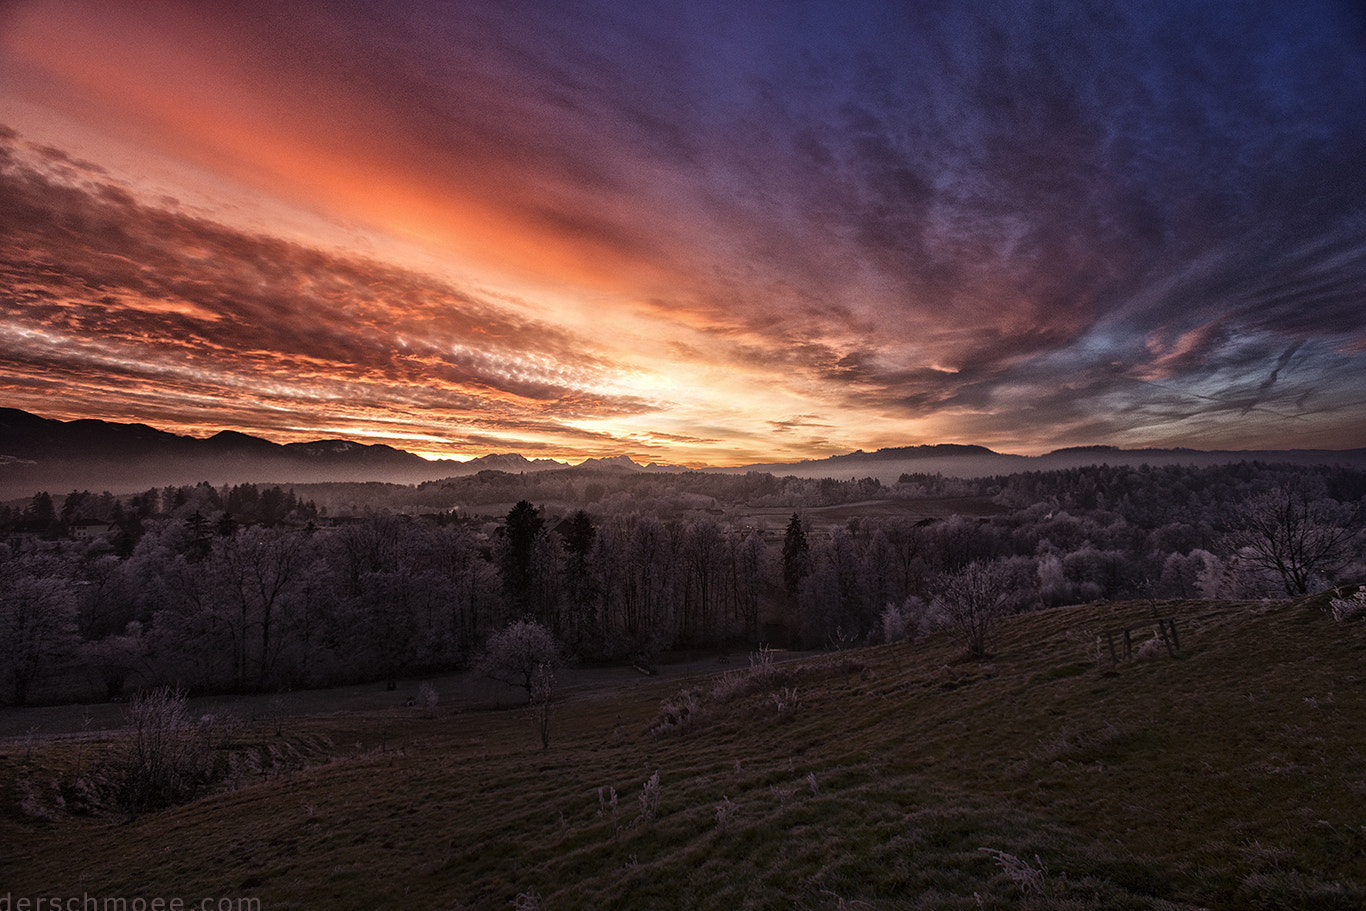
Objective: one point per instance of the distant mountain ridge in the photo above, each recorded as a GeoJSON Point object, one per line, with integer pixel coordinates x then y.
{"type": "Point", "coordinates": [966, 460]}
{"type": "Point", "coordinates": [912, 452]}
{"type": "Point", "coordinates": [29, 437]}
{"type": "Point", "coordinates": [39, 453]}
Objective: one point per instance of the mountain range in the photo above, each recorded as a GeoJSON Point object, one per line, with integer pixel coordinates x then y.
{"type": "Point", "coordinates": [39, 453]}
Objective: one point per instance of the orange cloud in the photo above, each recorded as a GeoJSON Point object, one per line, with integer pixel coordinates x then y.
{"type": "Point", "coordinates": [707, 231]}
{"type": "Point", "coordinates": [262, 94]}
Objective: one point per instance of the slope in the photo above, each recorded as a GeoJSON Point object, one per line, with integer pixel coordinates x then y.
{"type": "Point", "coordinates": [1228, 775]}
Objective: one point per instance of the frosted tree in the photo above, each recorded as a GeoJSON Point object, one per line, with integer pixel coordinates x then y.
{"type": "Point", "coordinates": [519, 655]}
{"type": "Point", "coordinates": [37, 618]}
{"type": "Point", "coordinates": [971, 600]}
{"type": "Point", "coordinates": [1298, 539]}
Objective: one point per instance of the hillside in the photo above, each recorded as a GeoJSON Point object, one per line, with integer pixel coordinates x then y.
{"type": "Point", "coordinates": [1228, 776]}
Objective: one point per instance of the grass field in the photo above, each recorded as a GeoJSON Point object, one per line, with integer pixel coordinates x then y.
{"type": "Point", "coordinates": [1228, 775]}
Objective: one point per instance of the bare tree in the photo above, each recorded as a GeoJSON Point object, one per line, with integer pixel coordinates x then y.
{"type": "Point", "coordinates": [542, 696]}
{"type": "Point", "coordinates": [37, 618]}
{"type": "Point", "coordinates": [520, 655]}
{"type": "Point", "coordinates": [258, 570]}
{"type": "Point", "coordinates": [745, 564]}
{"type": "Point", "coordinates": [1294, 537]}
{"type": "Point", "coordinates": [971, 600]}
{"type": "Point", "coordinates": [703, 554]}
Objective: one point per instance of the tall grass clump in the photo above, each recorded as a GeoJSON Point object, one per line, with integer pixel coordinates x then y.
{"type": "Point", "coordinates": [607, 807]}
{"type": "Point", "coordinates": [649, 799]}
{"type": "Point", "coordinates": [1031, 880]}
{"type": "Point", "coordinates": [725, 813]}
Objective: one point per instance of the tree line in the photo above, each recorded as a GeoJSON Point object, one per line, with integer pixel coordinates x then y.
{"type": "Point", "coordinates": [210, 589]}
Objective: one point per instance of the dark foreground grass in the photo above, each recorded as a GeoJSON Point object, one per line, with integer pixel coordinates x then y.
{"type": "Point", "coordinates": [1228, 776]}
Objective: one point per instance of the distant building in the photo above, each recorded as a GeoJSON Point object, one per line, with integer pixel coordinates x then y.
{"type": "Point", "coordinates": [92, 531]}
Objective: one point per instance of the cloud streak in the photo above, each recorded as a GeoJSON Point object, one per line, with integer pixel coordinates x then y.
{"type": "Point", "coordinates": [106, 294]}
{"type": "Point", "coordinates": [698, 233]}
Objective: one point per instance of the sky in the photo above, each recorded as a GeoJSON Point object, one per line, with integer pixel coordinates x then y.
{"type": "Point", "coordinates": [703, 233]}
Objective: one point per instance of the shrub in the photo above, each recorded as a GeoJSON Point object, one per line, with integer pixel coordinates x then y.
{"type": "Point", "coordinates": [898, 623]}
{"type": "Point", "coordinates": [786, 702]}
{"type": "Point", "coordinates": [164, 759]}
{"type": "Point", "coordinates": [1032, 881]}
{"type": "Point", "coordinates": [763, 671]}
{"type": "Point", "coordinates": [427, 698]}
{"type": "Point", "coordinates": [730, 685]}
{"type": "Point", "coordinates": [678, 713]}
{"type": "Point", "coordinates": [1346, 610]}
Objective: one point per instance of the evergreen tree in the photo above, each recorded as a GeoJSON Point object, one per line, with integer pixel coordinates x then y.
{"type": "Point", "coordinates": [580, 534]}
{"type": "Point", "coordinates": [523, 525]}
{"type": "Point", "coordinates": [201, 538]}
{"type": "Point", "coordinates": [41, 510]}
{"type": "Point", "coordinates": [227, 525]}
{"type": "Point", "coordinates": [796, 555]}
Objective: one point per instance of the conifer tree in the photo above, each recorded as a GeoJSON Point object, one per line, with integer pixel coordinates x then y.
{"type": "Point", "coordinates": [796, 555]}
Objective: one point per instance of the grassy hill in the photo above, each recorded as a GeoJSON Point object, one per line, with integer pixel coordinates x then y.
{"type": "Point", "coordinates": [1230, 775]}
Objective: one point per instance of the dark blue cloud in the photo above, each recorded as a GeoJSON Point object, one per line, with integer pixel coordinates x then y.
{"type": "Point", "coordinates": [1136, 222]}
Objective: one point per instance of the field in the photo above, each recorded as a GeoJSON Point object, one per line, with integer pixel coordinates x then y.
{"type": "Point", "coordinates": [1227, 775]}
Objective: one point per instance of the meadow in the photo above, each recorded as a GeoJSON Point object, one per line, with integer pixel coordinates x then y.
{"type": "Point", "coordinates": [1225, 774]}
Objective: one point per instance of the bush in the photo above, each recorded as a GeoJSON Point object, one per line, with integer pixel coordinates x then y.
{"type": "Point", "coordinates": [164, 759]}
{"type": "Point", "coordinates": [1346, 610]}
{"type": "Point", "coordinates": [678, 713]}
{"type": "Point", "coordinates": [427, 698]}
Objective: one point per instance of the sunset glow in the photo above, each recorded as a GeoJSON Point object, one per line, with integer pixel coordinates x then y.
{"type": "Point", "coordinates": [693, 234]}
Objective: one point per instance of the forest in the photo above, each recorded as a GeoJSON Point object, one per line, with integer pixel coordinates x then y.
{"type": "Point", "coordinates": [247, 588]}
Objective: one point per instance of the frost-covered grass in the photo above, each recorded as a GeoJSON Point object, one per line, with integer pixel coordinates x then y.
{"type": "Point", "coordinates": [1229, 776]}
{"type": "Point", "coordinates": [1345, 610]}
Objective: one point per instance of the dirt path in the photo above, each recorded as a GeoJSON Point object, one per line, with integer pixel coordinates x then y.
{"type": "Point", "coordinates": [465, 691]}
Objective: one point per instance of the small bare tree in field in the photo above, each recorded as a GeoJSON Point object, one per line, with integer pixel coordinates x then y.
{"type": "Point", "coordinates": [971, 600]}
{"type": "Point", "coordinates": [520, 654]}
{"type": "Point", "coordinates": [542, 695]}
{"type": "Point", "coordinates": [1295, 538]}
